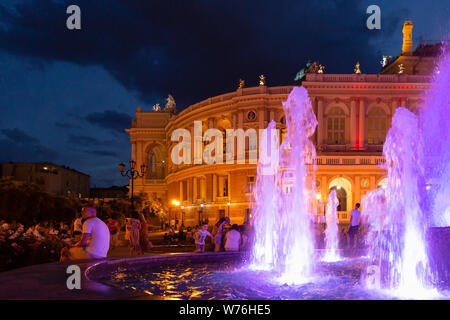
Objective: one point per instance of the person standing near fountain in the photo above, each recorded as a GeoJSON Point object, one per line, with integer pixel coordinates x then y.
{"type": "Point", "coordinates": [200, 237]}
{"type": "Point", "coordinates": [219, 233]}
{"type": "Point", "coordinates": [355, 216]}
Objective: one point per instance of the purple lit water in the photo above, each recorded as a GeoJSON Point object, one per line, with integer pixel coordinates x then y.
{"type": "Point", "coordinates": [332, 229]}
{"type": "Point", "coordinates": [435, 128]}
{"type": "Point", "coordinates": [417, 195]}
{"type": "Point", "coordinates": [282, 206]}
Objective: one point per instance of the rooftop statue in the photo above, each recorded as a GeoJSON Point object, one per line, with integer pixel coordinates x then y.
{"type": "Point", "coordinates": [156, 107]}
{"type": "Point", "coordinates": [401, 68]}
{"type": "Point", "coordinates": [321, 69]}
{"type": "Point", "coordinates": [262, 80]}
{"type": "Point", "coordinates": [357, 70]}
{"type": "Point", "coordinates": [241, 83]}
{"type": "Point", "coordinates": [385, 60]}
{"type": "Point", "coordinates": [170, 105]}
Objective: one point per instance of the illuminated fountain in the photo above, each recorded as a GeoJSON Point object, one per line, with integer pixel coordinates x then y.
{"type": "Point", "coordinates": [435, 125]}
{"type": "Point", "coordinates": [398, 215]}
{"type": "Point", "coordinates": [417, 152]}
{"type": "Point", "coordinates": [282, 212]}
{"type": "Point", "coordinates": [332, 229]}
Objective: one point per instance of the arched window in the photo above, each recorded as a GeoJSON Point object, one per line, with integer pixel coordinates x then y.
{"type": "Point", "coordinates": [336, 126]}
{"type": "Point", "coordinates": [377, 126]}
{"type": "Point", "coordinates": [151, 164]}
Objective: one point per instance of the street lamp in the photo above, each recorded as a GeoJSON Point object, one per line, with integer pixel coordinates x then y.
{"type": "Point", "coordinates": [132, 174]}
{"type": "Point", "coordinates": [228, 204]}
{"type": "Point", "coordinates": [182, 216]}
{"type": "Point", "coordinates": [200, 213]}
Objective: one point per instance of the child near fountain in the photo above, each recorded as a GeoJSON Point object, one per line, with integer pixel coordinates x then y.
{"type": "Point", "coordinates": [200, 237]}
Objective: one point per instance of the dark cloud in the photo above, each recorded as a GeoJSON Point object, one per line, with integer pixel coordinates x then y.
{"type": "Point", "coordinates": [102, 153]}
{"type": "Point", "coordinates": [66, 125]}
{"type": "Point", "coordinates": [111, 120]}
{"type": "Point", "coordinates": [21, 147]}
{"type": "Point", "coordinates": [19, 136]}
{"type": "Point", "coordinates": [196, 49]}
{"type": "Point", "coordinates": [83, 140]}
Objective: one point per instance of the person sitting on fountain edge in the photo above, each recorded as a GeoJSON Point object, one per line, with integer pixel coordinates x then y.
{"type": "Point", "coordinates": [94, 243]}
{"type": "Point", "coordinates": [355, 216]}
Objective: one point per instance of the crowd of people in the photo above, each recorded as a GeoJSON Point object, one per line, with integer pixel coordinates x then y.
{"type": "Point", "coordinates": [88, 237]}
{"type": "Point", "coordinates": [222, 235]}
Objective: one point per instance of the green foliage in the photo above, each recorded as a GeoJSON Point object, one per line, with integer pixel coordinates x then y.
{"type": "Point", "coordinates": [27, 203]}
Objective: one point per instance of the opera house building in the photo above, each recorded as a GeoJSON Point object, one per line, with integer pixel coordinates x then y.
{"type": "Point", "coordinates": [353, 111]}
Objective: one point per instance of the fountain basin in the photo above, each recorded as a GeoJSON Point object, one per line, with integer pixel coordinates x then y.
{"type": "Point", "coordinates": [226, 276]}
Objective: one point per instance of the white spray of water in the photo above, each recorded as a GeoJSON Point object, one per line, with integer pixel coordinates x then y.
{"type": "Point", "coordinates": [397, 220]}
{"type": "Point", "coordinates": [332, 229]}
{"type": "Point", "coordinates": [283, 199]}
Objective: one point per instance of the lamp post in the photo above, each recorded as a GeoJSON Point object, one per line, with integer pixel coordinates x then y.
{"type": "Point", "coordinates": [175, 203]}
{"type": "Point", "coordinates": [182, 216]}
{"type": "Point", "coordinates": [200, 214]}
{"type": "Point", "coordinates": [229, 204]}
{"type": "Point", "coordinates": [132, 174]}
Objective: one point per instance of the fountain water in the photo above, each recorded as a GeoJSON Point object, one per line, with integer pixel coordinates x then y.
{"type": "Point", "coordinates": [282, 209]}
{"type": "Point", "coordinates": [332, 229]}
{"type": "Point", "coordinates": [418, 164]}
{"type": "Point", "coordinates": [435, 128]}
{"type": "Point", "coordinates": [399, 247]}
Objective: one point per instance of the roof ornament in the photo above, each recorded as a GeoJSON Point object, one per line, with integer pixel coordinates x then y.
{"type": "Point", "coordinates": [262, 80]}
{"type": "Point", "coordinates": [401, 68]}
{"type": "Point", "coordinates": [321, 69]}
{"type": "Point", "coordinates": [156, 107]}
{"type": "Point", "coordinates": [241, 83]}
{"type": "Point", "coordinates": [357, 70]}
{"type": "Point", "coordinates": [385, 60]}
{"type": "Point", "coordinates": [170, 105]}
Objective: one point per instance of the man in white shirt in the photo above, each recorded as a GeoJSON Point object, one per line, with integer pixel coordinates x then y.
{"type": "Point", "coordinates": [94, 243]}
{"type": "Point", "coordinates": [355, 216]}
{"type": "Point", "coordinates": [233, 239]}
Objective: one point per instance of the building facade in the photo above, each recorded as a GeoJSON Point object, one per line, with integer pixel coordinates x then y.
{"type": "Point", "coordinates": [52, 178]}
{"type": "Point", "coordinates": [354, 113]}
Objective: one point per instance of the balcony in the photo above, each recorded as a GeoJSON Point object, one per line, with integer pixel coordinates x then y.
{"type": "Point", "coordinates": [349, 160]}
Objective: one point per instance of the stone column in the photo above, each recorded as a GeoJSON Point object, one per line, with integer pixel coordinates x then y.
{"type": "Point", "coordinates": [357, 191]}
{"type": "Point", "coordinates": [229, 186]}
{"type": "Point", "coordinates": [353, 124]}
{"type": "Point", "coordinates": [403, 102]}
{"type": "Point", "coordinates": [194, 190]}
{"type": "Point", "coordinates": [261, 118]}
{"type": "Point", "coordinates": [139, 159]}
{"type": "Point", "coordinates": [214, 187]}
{"type": "Point", "coordinates": [362, 124]}
{"type": "Point", "coordinates": [272, 116]}
{"type": "Point", "coordinates": [203, 189]}
{"type": "Point", "coordinates": [320, 120]}
{"type": "Point", "coordinates": [188, 190]}
{"type": "Point", "coordinates": [181, 191]}
{"type": "Point", "coordinates": [221, 184]}
{"type": "Point", "coordinates": [240, 120]}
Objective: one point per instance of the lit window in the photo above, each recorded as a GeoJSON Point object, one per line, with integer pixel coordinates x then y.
{"type": "Point", "coordinates": [376, 133]}
{"type": "Point", "coordinates": [336, 126]}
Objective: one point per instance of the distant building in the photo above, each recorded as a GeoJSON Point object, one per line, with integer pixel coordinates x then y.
{"type": "Point", "coordinates": [59, 180]}
{"type": "Point", "coordinates": [421, 61]}
{"type": "Point", "coordinates": [111, 193]}
{"type": "Point", "coordinates": [354, 113]}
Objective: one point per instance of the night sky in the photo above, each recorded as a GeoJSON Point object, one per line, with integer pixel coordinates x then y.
{"type": "Point", "coordinates": [67, 96]}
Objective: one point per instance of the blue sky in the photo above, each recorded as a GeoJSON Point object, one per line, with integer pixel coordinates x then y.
{"type": "Point", "coordinates": [67, 96]}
